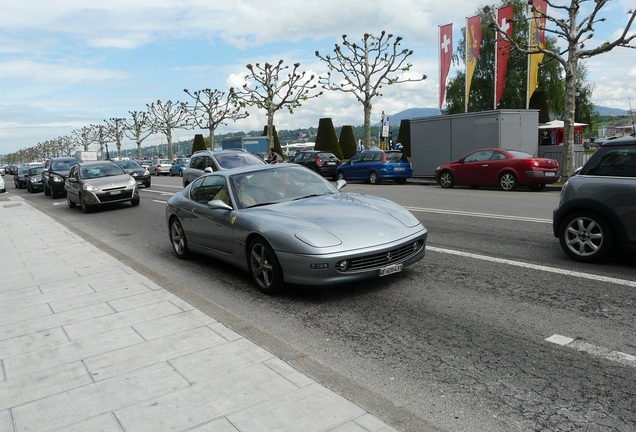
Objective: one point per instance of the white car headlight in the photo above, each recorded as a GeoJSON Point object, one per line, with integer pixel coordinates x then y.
{"type": "Point", "coordinates": [132, 182]}
{"type": "Point", "coordinates": [89, 187]}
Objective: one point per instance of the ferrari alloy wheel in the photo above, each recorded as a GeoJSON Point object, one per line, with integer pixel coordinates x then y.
{"type": "Point", "coordinates": [446, 180]}
{"type": "Point", "coordinates": [508, 181]}
{"type": "Point", "coordinates": [264, 267]}
{"type": "Point", "coordinates": [178, 239]}
{"type": "Point", "coordinates": [585, 236]}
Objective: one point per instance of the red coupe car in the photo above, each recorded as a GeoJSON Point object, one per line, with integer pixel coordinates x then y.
{"type": "Point", "coordinates": [497, 167]}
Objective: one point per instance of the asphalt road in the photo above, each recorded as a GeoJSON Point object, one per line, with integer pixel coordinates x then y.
{"type": "Point", "coordinates": [457, 342]}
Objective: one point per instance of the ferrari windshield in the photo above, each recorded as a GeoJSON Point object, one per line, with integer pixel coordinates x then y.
{"type": "Point", "coordinates": [272, 186]}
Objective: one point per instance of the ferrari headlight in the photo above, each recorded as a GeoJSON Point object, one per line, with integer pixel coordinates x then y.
{"type": "Point", "coordinates": [406, 217]}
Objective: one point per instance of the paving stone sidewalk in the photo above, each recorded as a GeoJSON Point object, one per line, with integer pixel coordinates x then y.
{"type": "Point", "coordinates": [89, 344]}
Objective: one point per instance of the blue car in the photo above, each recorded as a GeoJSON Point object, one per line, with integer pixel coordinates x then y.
{"type": "Point", "coordinates": [373, 166]}
{"type": "Point", "coordinates": [179, 166]}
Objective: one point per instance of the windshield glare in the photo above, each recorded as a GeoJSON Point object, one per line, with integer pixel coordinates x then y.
{"type": "Point", "coordinates": [238, 159]}
{"type": "Point", "coordinates": [274, 186]}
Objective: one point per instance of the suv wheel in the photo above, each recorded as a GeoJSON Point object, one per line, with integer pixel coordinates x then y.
{"type": "Point", "coordinates": [47, 191]}
{"type": "Point", "coordinates": [585, 236]}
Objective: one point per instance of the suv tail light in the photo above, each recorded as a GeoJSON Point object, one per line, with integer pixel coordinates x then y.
{"type": "Point", "coordinates": [318, 160]}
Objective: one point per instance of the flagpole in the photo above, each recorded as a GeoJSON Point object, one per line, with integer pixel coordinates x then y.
{"type": "Point", "coordinates": [439, 65]}
{"type": "Point", "coordinates": [494, 102]}
{"type": "Point", "coordinates": [466, 63]}
{"type": "Point", "coordinates": [528, 56]}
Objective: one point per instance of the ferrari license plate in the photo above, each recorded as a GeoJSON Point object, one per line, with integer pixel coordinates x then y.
{"type": "Point", "coordinates": [395, 268]}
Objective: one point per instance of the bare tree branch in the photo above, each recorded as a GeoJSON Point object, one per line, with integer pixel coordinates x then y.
{"type": "Point", "coordinates": [365, 68]}
{"type": "Point", "coordinates": [212, 109]}
{"type": "Point", "coordinates": [165, 117]}
{"type": "Point", "coordinates": [267, 88]}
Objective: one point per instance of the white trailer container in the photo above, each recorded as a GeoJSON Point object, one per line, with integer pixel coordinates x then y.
{"type": "Point", "coordinates": [86, 156]}
{"type": "Point", "coordinates": [440, 139]}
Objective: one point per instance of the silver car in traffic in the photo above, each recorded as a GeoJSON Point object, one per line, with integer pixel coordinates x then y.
{"type": "Point", "coordinates": [91, 184]}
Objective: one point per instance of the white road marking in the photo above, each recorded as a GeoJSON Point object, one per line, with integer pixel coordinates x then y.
{"type": "Point", "coordinates": [158, 192]}
{"type": "Point", "coordinates": [543, 268]}
{"type": "Point", "coordinates": [481, 215]}
{"type": "Point", "coordinates": [579, 345]}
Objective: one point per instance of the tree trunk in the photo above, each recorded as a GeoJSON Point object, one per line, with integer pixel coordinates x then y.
{"type": "Point", "coordinates": [367, 124]}
{"type": "Point", "coordinates": [569, 106]}
{"type": "Point", "coordinates": [270, 129]}
{"type": "Point", "coordinates": [169, 141]}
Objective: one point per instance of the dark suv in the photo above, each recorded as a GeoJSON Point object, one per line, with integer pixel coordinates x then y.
{"type": "Point", "coordinates": [324, 163]}
{"type": "Point", "coordinates": [54, 175]}
{"type": "Point", "coordinates": [597, 209]}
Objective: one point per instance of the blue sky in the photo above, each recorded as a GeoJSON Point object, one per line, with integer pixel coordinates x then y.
{"type": "Point", "coordinates": [66, 64]}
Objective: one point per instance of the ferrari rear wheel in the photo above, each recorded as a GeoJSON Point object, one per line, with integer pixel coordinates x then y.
{"type": "Point", "coordinates": [178, 239]}
{"type": "Point", "coordinates": [264, 266]}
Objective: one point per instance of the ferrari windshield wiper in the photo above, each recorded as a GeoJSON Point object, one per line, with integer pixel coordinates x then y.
{"type": "Point", "coordinates": [312, 195]}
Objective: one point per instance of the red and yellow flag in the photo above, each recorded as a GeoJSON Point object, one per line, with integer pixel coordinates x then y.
{"type": "Point", "coordinates": [473, 43]}
{"type": "Point", "coordinates": [536, 40]}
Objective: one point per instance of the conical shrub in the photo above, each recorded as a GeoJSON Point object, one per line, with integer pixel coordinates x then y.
{"type": "Point", "coordinates": [326, 139]}
{"type": "Point", "coordinates": [347, 142]}
{"type": "Point", "coordinates": [198, 143]}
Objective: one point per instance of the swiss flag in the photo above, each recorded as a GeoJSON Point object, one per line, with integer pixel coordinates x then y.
{"type": "Point", "coordinates": [445, 57]}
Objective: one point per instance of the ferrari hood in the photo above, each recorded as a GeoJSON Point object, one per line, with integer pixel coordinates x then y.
{"type": "Point", "coordinates": [344, 219]}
